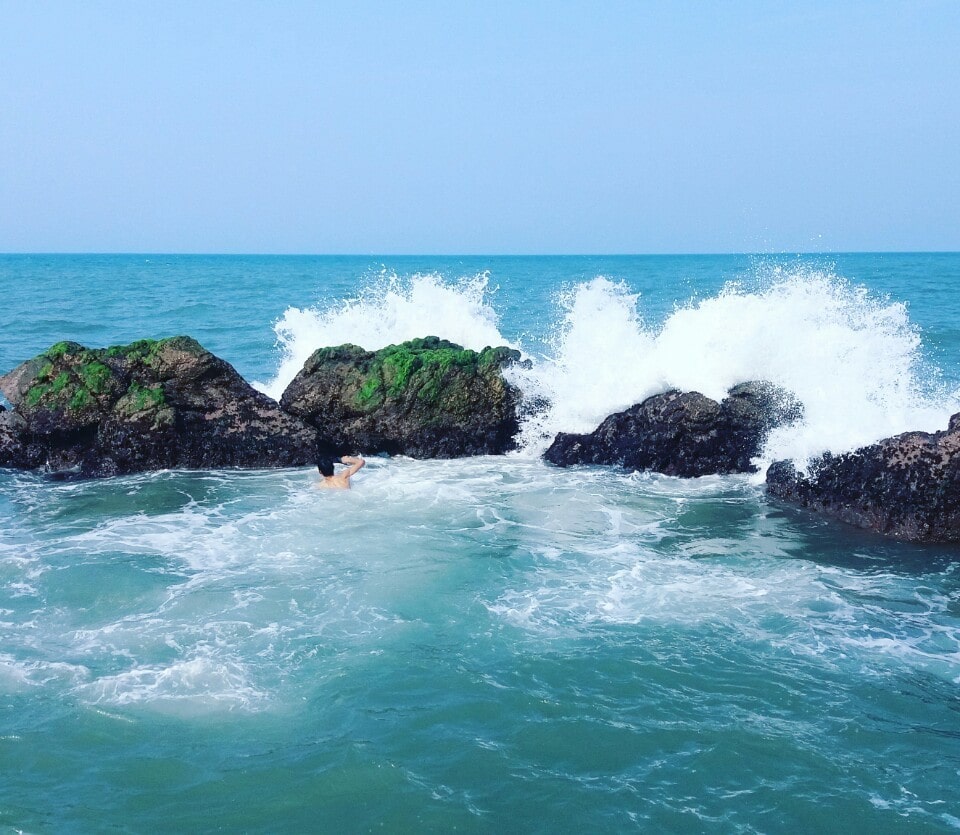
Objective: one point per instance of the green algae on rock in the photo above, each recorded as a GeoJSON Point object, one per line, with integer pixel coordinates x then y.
{"type": "Point", "coordinates": [427, 398]}
{"type": "Point", "coordinates": [152, 404]}
{"type": "Point", "coordinates": [68, 383]}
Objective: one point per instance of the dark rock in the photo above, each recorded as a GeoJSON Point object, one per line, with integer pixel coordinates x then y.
{"type": "Point", "coordinates": [147, 406]}
{"type": "Point", "coordinates": [907, 487]}
{"type": "Point", "coordinates": [427, 398]}
{"type": "Point", "coordinates": [13, 447]}
{"type": "Point", "coordinates": [683, 434]}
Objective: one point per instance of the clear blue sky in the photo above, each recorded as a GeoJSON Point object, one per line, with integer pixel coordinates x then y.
{"type": "Point", "coordinates": [479, 127]}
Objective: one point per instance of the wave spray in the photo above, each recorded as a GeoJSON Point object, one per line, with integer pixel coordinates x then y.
{"type": "Point", "coordinates": [853, 359]}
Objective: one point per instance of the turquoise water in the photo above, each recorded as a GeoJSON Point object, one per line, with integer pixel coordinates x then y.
{"type": "Point", "coordinates": [492, 644]}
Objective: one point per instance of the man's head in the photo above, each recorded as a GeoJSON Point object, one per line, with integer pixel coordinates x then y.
{"type": "Point", "coordinates": [325, 465]}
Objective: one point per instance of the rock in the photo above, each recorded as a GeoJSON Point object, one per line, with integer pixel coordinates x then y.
{"type": "Point", "coordinates": [13, 448]}
{"type": "Point", "coordinates": [146, 406]}
{"type": "Point", "coordinates": [427, 398]}
{"type": "Point", "coordinates": [907, 487]}
{"type": "Point", "coordinates": [683, 433]}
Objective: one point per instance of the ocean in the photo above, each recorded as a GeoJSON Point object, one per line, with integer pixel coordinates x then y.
{"type": "Point", "coordinates": [488, 644]}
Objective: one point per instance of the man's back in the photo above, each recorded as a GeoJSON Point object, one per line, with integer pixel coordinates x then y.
{"type": "Point", "coordinates": [338, 481]}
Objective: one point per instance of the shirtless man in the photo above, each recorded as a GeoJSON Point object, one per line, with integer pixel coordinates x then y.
{"type": "Point", "coordinates": [340, 481]}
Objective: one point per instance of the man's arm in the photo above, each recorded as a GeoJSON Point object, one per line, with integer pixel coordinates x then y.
{"type": "Point", "coordinates": [354, 462]}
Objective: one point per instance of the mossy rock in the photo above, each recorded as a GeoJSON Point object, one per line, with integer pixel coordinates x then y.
{"type": "Point", "coordinates": [73, 380]}
{"type": "Point", "coordinates": [143, 350]}
{"type": "Point", "coordinates": [430, 370]}
{"type": "Point", "coordinates": [142, 401]}
{"type": "Point", "coordinates": [152, 404]}
{"type": "Point", "coordinates": [70, 378]}
{"type": "Point", "coordinates": [425, 397]}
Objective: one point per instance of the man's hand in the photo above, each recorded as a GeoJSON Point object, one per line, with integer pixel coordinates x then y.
{"type": "Point", "coordinates": [354, 462]}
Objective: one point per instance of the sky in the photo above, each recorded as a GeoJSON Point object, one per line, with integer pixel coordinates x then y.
{"type": "Point", "coordinates": [479, 127]}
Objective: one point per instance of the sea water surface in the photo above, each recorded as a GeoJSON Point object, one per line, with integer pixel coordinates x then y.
{"type": "Point", "coordinates": [490, 644]}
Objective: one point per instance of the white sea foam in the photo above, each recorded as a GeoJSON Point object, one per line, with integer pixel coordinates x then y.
{"type": "Point", "coordinates": [390, 311]}
{"type": "Point", "coordinates": [791, 606]}
{"type": "Point", "coordinates": [16, 675]}
{"type": "Point", "coordinates": [13, 675]}
{"type": "Point", "coordinates": [597, 363]}
{"type": "Point", "coordinates": [197, 685]}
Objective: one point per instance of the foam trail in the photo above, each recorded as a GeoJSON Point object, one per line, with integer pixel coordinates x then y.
{"type": "Point", "coordinates": [854, 360]}
{"type": "Point", "coordinates": [197, 685]}
{"type": "Point", "coordinates": [390, 311]}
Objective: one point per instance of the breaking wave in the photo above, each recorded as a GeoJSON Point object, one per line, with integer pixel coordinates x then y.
{"type": "Point", "coordinates": [853, 359]}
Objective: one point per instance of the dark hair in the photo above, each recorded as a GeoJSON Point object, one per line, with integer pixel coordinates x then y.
{"type": "Point", "coordinates": [325, 465]}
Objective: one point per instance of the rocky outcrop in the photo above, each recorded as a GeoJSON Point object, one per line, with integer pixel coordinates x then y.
{"type": "Point", "coordinates": [427, 398]}
{"type": "Point", "coordinates": [907, 487]}
{"type": "Point", "coordinates": [683, 433]}
{"type": "Point", "coordinates": [146, 406]}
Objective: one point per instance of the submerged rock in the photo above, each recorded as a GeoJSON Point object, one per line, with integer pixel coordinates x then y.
{"type": "Point", "coordinates": [146, 406]}
{"type": "Point", "coordinates": [683, 433]}
{"type": "Point", "coordinates": [427, 398]}
{"type": "Point", "coordinates": [907, 487]}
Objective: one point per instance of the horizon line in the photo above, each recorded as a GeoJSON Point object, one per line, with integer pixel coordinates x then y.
{"type": "Point", "coordinates": [758, 253]}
